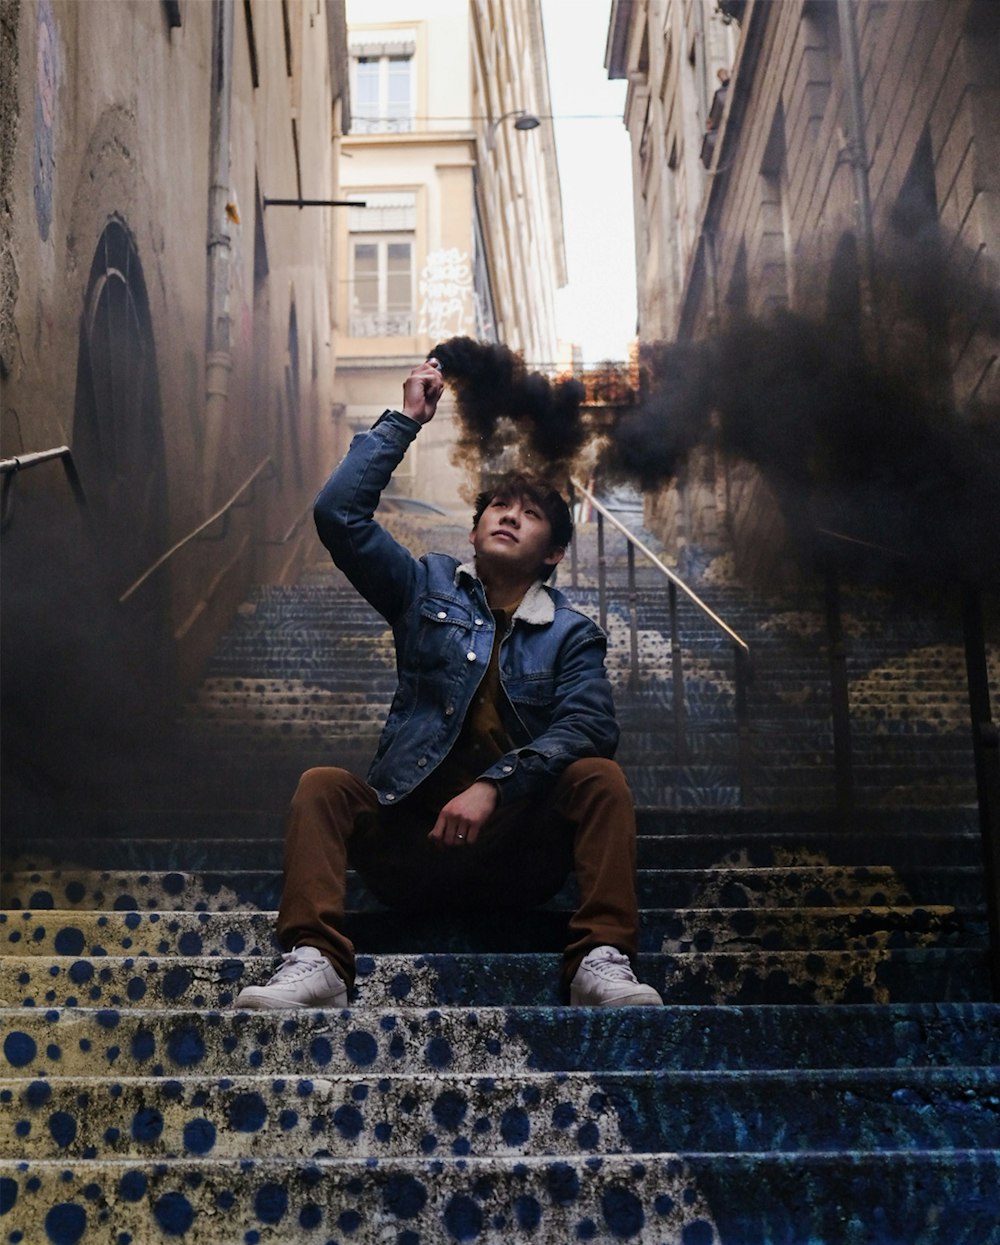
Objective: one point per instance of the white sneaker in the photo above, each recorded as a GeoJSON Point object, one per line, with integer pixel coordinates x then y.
{"type": "Point", "coordinates": [306, 978]}
{"type": "Point", "coordinates": [605, 979]}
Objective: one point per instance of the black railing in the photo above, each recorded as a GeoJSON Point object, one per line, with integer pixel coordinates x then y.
{"type": "Point", "coordinates": [985, 732]}
{"type": "Point", "coordinates": [10, 469]}
{"type": "Point", "coordinates": [742, 671]}
{"type": "Point", "coordinates": [222, 514]}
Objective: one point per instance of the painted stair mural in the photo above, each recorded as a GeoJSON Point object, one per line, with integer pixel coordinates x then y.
{"type": "Point", "coordinates": [826, 1069]}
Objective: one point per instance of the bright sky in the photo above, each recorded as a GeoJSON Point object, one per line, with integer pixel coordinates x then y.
{"type": "Point", "coordinates": [597, 309]}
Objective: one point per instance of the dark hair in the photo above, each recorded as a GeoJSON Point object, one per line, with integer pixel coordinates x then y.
{"type": "Point", "coordinates": [515, 484]}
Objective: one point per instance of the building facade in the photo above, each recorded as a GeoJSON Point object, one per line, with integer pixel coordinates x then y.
{"type": "Point", "coordinates": [461, 229]}
{"type": "Point", "coordinates": [162, 318]}
{"type": "Point", "coordinates": [847, 132]}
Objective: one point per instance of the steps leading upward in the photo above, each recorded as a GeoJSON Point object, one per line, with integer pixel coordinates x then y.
{"type": "Point", "coordinates": [826, 1070]}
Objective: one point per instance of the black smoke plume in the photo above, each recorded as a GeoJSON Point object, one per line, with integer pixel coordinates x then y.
{"type": "Point", "coordinates": [501, 403]}
{"type": "Point", "coordinates": [851, 420]}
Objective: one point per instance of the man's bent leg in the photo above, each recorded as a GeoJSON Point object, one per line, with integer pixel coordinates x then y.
{"type": "Point", "coordinates": [594, 795]}
{"type": "Point", "coordinates": [321, 820]}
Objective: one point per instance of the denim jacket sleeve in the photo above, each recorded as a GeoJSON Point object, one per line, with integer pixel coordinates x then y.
{"type": "Point", "coordinates": [382, 570]}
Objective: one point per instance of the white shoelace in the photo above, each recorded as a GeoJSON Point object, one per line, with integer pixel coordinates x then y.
{"type": "Point", "coordinates": [293, 968]}
{"type": "Point", "coordinates": [611, 965]}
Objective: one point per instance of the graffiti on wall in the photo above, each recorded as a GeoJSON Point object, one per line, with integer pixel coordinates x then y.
{"type": "Point", "coordinates": [445, 293]}
{"type": "Point", "coordinates": [46, 85]}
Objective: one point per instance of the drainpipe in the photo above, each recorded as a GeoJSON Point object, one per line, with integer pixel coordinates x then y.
{"type": "Point", "coordinates": [218, 355]}
{"type": "Point", "coordinates": [857, 155]}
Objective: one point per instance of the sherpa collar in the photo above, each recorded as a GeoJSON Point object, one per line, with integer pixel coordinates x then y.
{"type": "Point", "coordinates": [537, 606]}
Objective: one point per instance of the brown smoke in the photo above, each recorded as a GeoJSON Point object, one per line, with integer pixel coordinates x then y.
{"type": "Point", "coordinates": [503, 406]}
{"type": "Point", "coordinates": [853, 423]}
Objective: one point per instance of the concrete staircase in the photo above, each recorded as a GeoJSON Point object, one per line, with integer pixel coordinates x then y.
{"type": "Point", "coordinates": [826, 1070]}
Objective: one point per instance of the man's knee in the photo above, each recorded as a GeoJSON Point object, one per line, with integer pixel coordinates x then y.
{"type": "Point", "coordinates": [598, 772]}
{"type": "Point", "coordinates": [321, 784]}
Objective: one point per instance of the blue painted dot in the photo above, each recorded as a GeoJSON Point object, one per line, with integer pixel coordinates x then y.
{"type": "Point", "coordinates": [41, 900]}
{"type": "Point", "coordinates": [174, 1213]}
{"type": "Point", "coordinates": [404, 1196]}
{"type": "Point", "coordinates": [349, 1122]}
{"type": "Point", "coordinates": [564, 1115]}
{"type": "Point", "coordinates": [125, 903]}
{"type": "Point", "coordinates": [449, 1109]}
{"type": "Point", "coordinates": [247, 1113]}
{"type": "Point", "coordinates": [133, 920]}
{"type": "Point", "coordinates": [562, 1183]}
{"type": "Point", "coordinates": [320, 1051]}
{"type": "Point", "coordinates": [698, 1232]}
{"type": "Point", "coordinates": [288, 1119]}
{"type": "Point", "coordinates": [310, 1216]}
{"type": "Point", "coordinates": [107, 1018]}
{"type": "Point", "coordinates": [19, 1048]}
{"type": "Point", "coordinates": [143, 1045]}
{"type": "Point", "coordinates": [80, 972]}
{"type": "Point", "coordinates": [225, 1200]}
{"type": "Point", "coordinates": [185, 1046]}
{"type": "Point", "coordinates": [361, 1048]}
{"type": "Point", "coordinates": [190, 943]}
{"type": "Point", "coordinates": [400, 986]}
{"type": "Point", "coordinates": [69, 941]}
{"type": "Point", "coordinates": [62, 1126]}
{"type": "Point", "coordinates": [75, 891]}
{"type": "Point", "coordinates": [664, 1204]}
{"type": "Point", "coordinates": [586, 1230]}
{"type": "Point", "coordinates": [53, 1052]}
{"type": "Point", "coordinates": [65, 1223]}
{"type": "Point", "coordinates": [348, 1221]}
{"type": "Point", "coordinates": [438, 1052]}
{"type": "Point", "coordinates": [271, 1203]}
{"type": "Point", "coordinates": [199, 1135]}
{"type": "Point", "coordinates": [463, 1218]}
{"type": "Point", "coordinates": [8, 1194]}
{"type": "Point", "coordinates": [527, 1212]}
{"type": "Point", "coordinates": [515, 1127]}
{"type": "Point", "coordinates": [147, 1124]}
{"type": "Point", "coordinates": [175, 982]}
{"type": "Point", "coordinates": [38, 1093]}
{"type": "Point", "coordinates": [173, 883]}
{"type": "Point", "coordinates": [622, 1212]}
{"type": "Point", "coordinates": [136, 989]}
{"type": "Point", "coordinates": [235, 942]}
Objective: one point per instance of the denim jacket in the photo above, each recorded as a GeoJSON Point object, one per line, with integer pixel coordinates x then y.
{"type": "Point", "coordinates": [556, 705]}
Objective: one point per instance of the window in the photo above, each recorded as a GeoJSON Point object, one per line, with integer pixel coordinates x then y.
{"type": "Point", "coordinates": [382, 247]}
{"type": "Point", "coordinates": [382, 93]}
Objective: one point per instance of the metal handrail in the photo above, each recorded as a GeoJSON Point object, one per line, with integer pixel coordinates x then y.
{"type": "Point", "coordinates": [10, 467]}
{"type": "Point", "coordinates": [985, 731]}
{"type": "Point", "coordinates": [741, 650]}
{"type": "Point", "coordinates": [192, 535]}
{"type": "Point", "coordinates": [661, 566]}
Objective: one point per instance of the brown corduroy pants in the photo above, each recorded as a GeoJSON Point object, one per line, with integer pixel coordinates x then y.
{"type": "Point", "coordinates": [586, 825]}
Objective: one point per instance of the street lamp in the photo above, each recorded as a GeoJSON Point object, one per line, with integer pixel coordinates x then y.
{"type": "Point", "coordinates": [525, 121]}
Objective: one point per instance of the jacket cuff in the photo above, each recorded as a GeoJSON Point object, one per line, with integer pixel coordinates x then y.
{"type": "Point", "coordinates": [395, 421]}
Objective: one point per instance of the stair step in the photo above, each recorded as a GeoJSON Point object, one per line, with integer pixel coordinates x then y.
{"type": "Point", "coordinates": [396, 1115]}
{"type": "Point", "coordinates": [741, 887]}
{"type": "Point", "coordinates": [488, 1040]}
{"type": "Point", "coordinates": [510, 978]}
{"type": "Point", "coordinates": [935, 1197]}
{"type": "Point", "coordinates": [243, 932]}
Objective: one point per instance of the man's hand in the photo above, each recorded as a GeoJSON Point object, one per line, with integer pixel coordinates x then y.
{"type": "Point", "coordinates": [461, 819]}
{"type": "Point", "coordinates": [421, 391]}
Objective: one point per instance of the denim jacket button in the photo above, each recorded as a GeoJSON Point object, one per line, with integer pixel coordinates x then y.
{"type": "Point", "coordinates": [442, 613]}
{"type": "Point", "coordinates": [471, 655]}
{"type": "Point", "coordinates": [390, 797]}
{"type": "Point", "coordinates": [508, 769]}
{"type": "Point", "coordinates": [422, 762]}
{"type": "Point", "coordinates": [479, 622]}
{"type": "Point", "coordinates": [449, 711]}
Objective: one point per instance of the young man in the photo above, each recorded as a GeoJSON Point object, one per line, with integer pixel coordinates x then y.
{"type": "Point", "coordinates": [493, 777]}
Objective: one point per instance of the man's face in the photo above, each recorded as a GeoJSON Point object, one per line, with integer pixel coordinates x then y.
{"type": "Point", "coordinates": [515, 533]}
